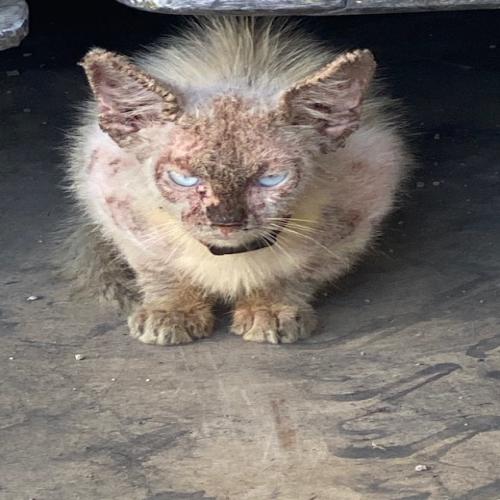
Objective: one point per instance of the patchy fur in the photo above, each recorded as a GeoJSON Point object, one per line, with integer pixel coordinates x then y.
{"type": "Point", "coordinates": [229, 104]}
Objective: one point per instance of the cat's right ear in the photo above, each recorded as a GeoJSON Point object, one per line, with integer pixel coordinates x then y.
{"type": "Point", "coordinates": [330, 100]}
{"type": "Point", "coordinates": [128, 99]}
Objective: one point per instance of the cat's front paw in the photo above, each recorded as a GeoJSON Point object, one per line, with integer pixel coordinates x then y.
{"type": "Point", "coordinates": [169, 326]}
{"type": "Point", "coordinates": [276, 323]}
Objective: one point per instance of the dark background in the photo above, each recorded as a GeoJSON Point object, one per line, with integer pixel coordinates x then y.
{"type": "Point", "coordinates": [440, 47]}
{"type": "Point", "coordinates": [65, 30]}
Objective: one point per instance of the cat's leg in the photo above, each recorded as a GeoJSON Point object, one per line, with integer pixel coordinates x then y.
{"type": "Point", "coordinates": [274, 316]}
{"type": "Point", "coordinates": [172, 312]}
{"type": "Point", "coordinates": [96, 267]}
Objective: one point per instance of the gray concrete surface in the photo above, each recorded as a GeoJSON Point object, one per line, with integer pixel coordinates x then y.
{"type": "Point", "coordinates": [404, 372]}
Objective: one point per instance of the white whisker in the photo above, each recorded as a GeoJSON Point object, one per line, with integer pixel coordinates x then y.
{"type": "Point", "coordinates": [309, 238]}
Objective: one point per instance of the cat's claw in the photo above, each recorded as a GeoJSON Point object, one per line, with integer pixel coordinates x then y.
{"type": "Point", "coordinates": [274, 324]}
{"type": "Point", "coordinates": [153, 325]}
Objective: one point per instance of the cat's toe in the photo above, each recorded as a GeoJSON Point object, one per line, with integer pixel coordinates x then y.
{"type": "Point", "coordinates": [296, 323]}
{"type": "Point", "coordinates": [243, 319]}
{"type": "Point", "coordinates": [274, 324]}
{"type": "Point", "coordinates": [262, 333]}
{"type": "Point", "coordinates": [165, 327]}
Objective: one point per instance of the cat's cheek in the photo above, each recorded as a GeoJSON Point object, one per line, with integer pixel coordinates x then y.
{"type": "Point", "coordinates": [123, 216]}
{"type": "Point", "coordinates": [173, 196]}
{"type": "Point", "coordinates": [184, 203]}
{"type": "Point", "coordinates": [265, 203]}
{"type": "Point", "coordinates": [194, 215]}
{"type": "Point", "coordinates": [107, 172]}
{"type": "Point", "coordinates": [256, 207]}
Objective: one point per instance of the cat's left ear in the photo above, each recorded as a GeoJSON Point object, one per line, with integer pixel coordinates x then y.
{"type": "Point", "coordinates": [128, 99]}
{"type": "Point", "coordinates": [330, 99]}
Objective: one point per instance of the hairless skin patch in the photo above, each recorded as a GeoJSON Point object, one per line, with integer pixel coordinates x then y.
{"type": "Point", "coordinates": [123, 215]}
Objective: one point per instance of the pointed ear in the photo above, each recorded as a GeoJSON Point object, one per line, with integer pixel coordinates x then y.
{"type": "Point", "coordinates": [128, 99]}
{"type": "Point", "coordinates": [331, 99]}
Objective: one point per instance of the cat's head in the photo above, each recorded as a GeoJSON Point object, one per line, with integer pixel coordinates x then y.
{"type": "Point", "coordinates": [232, 169]}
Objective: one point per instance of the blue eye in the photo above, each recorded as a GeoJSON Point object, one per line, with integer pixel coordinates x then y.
{"type": "Point", "coordinates": [272, 180]}
{"type": "Point", "coordinates": [183, 180]}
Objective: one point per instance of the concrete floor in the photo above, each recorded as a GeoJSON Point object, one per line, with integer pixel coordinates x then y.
{"type": "Point", "coordinates": [405, 370]}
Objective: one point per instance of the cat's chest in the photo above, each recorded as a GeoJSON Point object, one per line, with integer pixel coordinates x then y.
{"type": "Point", "coordinates": [233, 275]}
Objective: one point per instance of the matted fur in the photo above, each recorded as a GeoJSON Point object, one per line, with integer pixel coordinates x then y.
{"type": "Point", "coordinates": [246, 93]}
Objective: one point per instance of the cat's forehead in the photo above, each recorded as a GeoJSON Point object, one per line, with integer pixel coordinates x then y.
{"type": "Point", "coordinates": [229, 134]}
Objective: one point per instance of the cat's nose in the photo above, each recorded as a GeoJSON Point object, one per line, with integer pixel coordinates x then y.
{"type": "Point", "coordinates": [226, 215]}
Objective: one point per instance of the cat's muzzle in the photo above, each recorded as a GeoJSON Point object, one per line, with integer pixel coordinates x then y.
{"type": "Point", "coordinates": [257, 244]}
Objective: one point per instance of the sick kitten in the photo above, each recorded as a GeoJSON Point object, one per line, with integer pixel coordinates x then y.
{"type": "Point", "coordinates": [240, 162]}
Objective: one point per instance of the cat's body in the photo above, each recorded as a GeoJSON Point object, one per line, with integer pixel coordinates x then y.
{"type": "Point", "coordinates": [232, 138]}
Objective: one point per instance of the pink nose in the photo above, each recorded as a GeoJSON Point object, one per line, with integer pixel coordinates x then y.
{"type": "Point", "coordinates": [227, 229]}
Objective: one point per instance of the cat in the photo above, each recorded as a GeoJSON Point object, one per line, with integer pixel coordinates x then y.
{"type": "Point", "coordinates": [241, 162]}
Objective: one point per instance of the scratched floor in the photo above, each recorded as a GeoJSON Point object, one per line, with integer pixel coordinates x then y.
{"type": "Point", "coordinates": [405, 370]}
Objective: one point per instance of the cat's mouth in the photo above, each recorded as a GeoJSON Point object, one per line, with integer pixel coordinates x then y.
{"type": "Point", "coordinates": [261, 242]}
